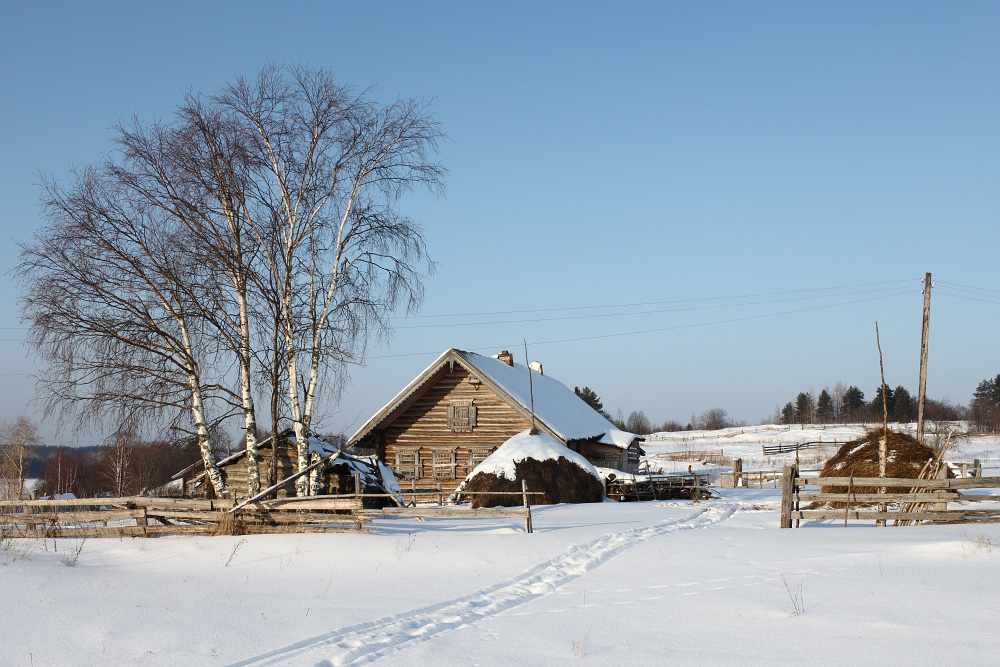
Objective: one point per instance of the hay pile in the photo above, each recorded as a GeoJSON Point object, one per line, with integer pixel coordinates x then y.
{"type": "Point", "coordinates": [563, 475]}
{"type": "Point", "coordinates": [906, 457]}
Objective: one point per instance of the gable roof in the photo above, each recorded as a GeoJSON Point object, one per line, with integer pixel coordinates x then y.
{"type": "Point", "coordinates": [558, 410]}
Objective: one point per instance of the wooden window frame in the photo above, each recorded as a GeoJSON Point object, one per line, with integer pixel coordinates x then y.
{"type": "Point", "coordinates": [407, 467]}
{"type": "Point", "coordinates": [462, 415]}
{"type": "Point", "coordinates": [444, 462]}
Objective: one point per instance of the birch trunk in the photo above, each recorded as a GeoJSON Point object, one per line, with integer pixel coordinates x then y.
{"type": "Point", "coordinates": [246, 394]}
{"type": "Point", "coordinates": [201, 427]}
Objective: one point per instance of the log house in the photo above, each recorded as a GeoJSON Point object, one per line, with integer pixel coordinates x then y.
{"type": "Point", "coordinates": [465, 405]}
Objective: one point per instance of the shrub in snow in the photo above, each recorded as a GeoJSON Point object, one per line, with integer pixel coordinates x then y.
{"type": "Point", "coordinates": [563, 475]}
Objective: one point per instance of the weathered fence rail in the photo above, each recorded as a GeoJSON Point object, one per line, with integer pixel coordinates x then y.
{"type": "Point", "coordinates": [926, 500]}
{"type": "Point", "coordinates": [785, 448]}
{"type": "Point", "coordinates": [142, 516]}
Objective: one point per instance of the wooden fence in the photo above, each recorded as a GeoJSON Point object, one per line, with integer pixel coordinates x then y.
{"type": "Point", "coordinates": [926, 500]}
{"type": "Point", "coordinates": [142, 516]}
{"type": "Point", "coordinates": [784, 448]}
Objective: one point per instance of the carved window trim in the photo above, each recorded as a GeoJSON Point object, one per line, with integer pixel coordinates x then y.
{"type": "Point", "coordinates": [462, 415]}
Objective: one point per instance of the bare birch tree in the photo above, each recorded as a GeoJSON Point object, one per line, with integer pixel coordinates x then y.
{"type": "Point", "coordinates": [18, 439]}
{"type": "Point", "coordinates": [106, 298]}
{"type": "Point", "coordinates": [341, 255]}
{"type": "Point", "coordinates": [196, 171]}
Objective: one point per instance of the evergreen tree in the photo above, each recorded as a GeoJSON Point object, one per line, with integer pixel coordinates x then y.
{"type": "Point", "coordinates": [903, 406]}
{"type": "Point", "coordinates": [804, 408]}
{"type": "Point", "coordinates": [591, 398]}
{"type": "Point", "coordinates": [788, 413]}
{"type": "Point", "coordinates": [985, 406]}
{"type": "Point", "coordinates": [988, 392]}
{"type": "Point", "coordinates": [853, 404]}
{"type": "Point", "coordinates": [824, 407]}
{"type": "Point", "coordinates": [875, 408]}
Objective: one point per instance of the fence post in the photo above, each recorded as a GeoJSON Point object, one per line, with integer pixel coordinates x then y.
{"type": "Point", "coordinates": [527, 506]}
{"type": "Point", "coordinates": [977, 468]}
{"type": "Point", "coordinates": [440, 495]}
{"type": "Point", "coordinates": [787, 481]}
{"type": "Point", "coordinates": [413, 491]}
{"type": "Point", "coordinates": [357, 484]}
{"type": "Point", "coordinates": [942, 473]}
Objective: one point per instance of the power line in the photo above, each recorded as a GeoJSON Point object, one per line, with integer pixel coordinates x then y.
{"type": "Point", "coordinates": [661, 303]}
{"type": "Point", "coordinates": [895, 291]}
{"type": "Point", "coordinates": [968, 298]}
{"type": "Point", "coordinates": [981, 289]}
{"type": "Point", "coordinates": [657, 330]}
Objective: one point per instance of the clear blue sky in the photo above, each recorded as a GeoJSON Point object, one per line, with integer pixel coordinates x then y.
{"type": "Point", "coordinates": [605, 154]}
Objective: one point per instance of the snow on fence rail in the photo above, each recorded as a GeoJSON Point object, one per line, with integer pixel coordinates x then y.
{"type": "Point", "coordinates": [926, 501]}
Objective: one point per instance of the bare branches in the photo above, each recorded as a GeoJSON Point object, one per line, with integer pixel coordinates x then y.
{"type": "Point", "coordinates": [254, 237]}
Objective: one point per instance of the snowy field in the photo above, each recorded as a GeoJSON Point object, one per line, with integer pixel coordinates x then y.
{"type": "Point", "coordinates": [614, 583]}
{"type": "Point", "coordinates": [747, 442]}
{"type": "Point", "coordinates": [711, 583]}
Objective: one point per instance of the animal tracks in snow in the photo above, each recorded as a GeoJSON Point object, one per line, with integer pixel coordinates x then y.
{"type": "Point", "coordinates": [368, 641]}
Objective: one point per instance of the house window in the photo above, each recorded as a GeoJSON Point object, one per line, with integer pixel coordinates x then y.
{"type": "Point", "coordinates": [444, 463]}
{"type": "Point", "coordinates": [461, 415]}
{"type": "Point", "coordinates": [477, 455]}
{"type": "Point", "coordinates": [408, 461]}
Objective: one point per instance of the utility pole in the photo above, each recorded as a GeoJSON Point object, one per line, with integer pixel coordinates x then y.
{"type": "Point", "coordinates": [922, 392]}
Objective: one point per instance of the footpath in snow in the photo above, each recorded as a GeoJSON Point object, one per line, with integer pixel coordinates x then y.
{"type": "Point", "coordinates": [709, 583]}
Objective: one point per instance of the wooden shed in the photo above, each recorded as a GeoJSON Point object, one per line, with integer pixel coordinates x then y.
{"type": "Point", "coordinates": [234, 469]}
{"type": "Point", "coordinates": [465, 405]}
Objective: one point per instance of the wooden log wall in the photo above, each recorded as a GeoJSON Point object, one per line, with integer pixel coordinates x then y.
{"type": "Point", "coordinates": [424, 425]}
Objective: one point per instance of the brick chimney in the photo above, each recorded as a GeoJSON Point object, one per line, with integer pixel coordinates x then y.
{"type": "Point", "coordinates": [506, 357]}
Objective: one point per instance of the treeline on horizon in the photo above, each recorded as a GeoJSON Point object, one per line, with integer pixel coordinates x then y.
{"type": "Point", "coordinates": [837, 404]}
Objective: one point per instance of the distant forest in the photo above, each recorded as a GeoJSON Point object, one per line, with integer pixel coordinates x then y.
{"type": "Point", "coordinates": [837, 404]}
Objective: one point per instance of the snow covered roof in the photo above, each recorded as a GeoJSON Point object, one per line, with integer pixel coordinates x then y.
{"type": "Point", "coordinates": [558, 409]}
{"type": "Point", "coordinates": [540, 446]}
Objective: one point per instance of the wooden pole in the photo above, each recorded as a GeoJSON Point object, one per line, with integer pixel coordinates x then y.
{"type": "Point", "coordinates": [531, 391]}
{"type": "Point", "coordinates": [922, 390]}
{"type": "Point", "coordinates": [787, 477]}
{"type": "Point", "coordinates": [527, 506]}
{"type": "Point", "coordinates": [883, 443]}
{"type": "Point", "coordinates": [357, 484]}
{"type": "Point", "coordinates": [850, 488]}
{"type": "Point", "coordinates": [290, 478]}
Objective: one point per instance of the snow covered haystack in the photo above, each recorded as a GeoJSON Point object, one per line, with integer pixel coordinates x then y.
{"type": "Point", "coordinates": [859, 458]}
{"type": "Point", "coordinates": [544, 463]}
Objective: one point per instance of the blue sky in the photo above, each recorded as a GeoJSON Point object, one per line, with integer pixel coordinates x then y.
{"type": "Point", "coordinates": [605, 154]}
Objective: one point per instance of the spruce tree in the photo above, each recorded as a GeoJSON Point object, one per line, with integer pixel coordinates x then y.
{"type": "Point", "coordinates": [590, 397]}
{"type": "Point", "coordinates": [804, 408]}
{"type": "Point", "coordinates": [788, 413]}
{"type": "Point", "coordinates": [824, 407]}
{"type": "Point", "coordinates": [902, 406]}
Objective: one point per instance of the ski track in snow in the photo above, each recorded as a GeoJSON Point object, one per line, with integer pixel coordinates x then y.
{"type": "Point", "coordinates": [372, 640]}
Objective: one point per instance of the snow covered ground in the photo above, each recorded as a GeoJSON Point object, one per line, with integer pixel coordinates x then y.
{"type": "Point", "coordinates": [747, 442]}
{"type": "Point", "coordinates": [614, 583]}
{"type": "Point", "coordinates": [711, 583]}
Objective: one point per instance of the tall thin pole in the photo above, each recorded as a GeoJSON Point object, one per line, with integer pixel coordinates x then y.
{"type": "Point", "coordinates": [922, 393]}
{"type": "Point", "coordinates": [531, 391]}
{"type": "Point", "coordinates": [883, 443]}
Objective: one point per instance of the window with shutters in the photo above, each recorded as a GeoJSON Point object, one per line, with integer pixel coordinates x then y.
{"type": "Point", "coordinates": [461, 415]}
{"type": "Point", "coordinates": [444, 462]}
{"type": "Point", "coordinates": [477, 455]}
{"type": "Point", "coordinates": [408, 461]}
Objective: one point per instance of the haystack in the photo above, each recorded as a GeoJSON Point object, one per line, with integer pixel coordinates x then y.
{"type": "Point", "coordinates": [859, 458]}
{"type": "Point", "coordinates": [547, 466]}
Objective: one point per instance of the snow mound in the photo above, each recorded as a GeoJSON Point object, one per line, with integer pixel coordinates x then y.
{"type": "Point", "coordinates": [541, 447]}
